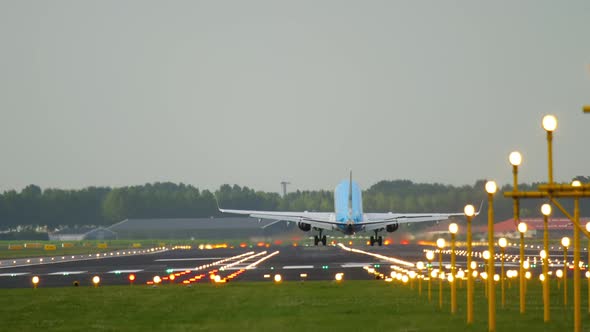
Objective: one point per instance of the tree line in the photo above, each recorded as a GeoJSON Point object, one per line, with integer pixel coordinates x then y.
{"type": "Point", "coordinates": [51, 207]}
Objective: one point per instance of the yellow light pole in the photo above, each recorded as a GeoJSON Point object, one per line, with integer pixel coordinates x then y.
{"type": "Point", "coordinates": [453, 228]}
{"type": "Point", "coordinates": [546, 211]}
{"type": "Point", "coordinates": [550, 124]}
{"type": "Point", "coordinates": [420, 267]}
{"type": "Point", "coordinates": [429, 257]}
{"type": "Point", "coordinates": [491, 188]}
{"type": "Point", "coordinates": [486, 256]}
{"type": "Point", "coordinates": [588, 230]}
{"type": "Point", "coordinates": [522, 228]}
{"type": "Point", "coordinates": [502, 242]}
{"type": "Point", "coordinates": [565, 243]}
{"type": "Point", "coordinates": [544, 277]}
{"type": "Point", "coordinates": [577, 280]}
{"type": "Point", "coordinates": [440, 243]}
{"type": "Point", "coordinates": [469, 213]}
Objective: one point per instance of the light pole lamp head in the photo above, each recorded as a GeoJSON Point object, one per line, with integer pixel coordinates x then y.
{"type": "Point", "coordinates": [502, 242]}
{"type": "Point", "coordinates": [522, 228]}
{"type": "Point", "coordinates": [486, 255]}
{"type": "Point", "coordinates": [440, 243]}
{"type": "Point", "coordinates": [588, 226]}
{"type": "Point", "coordinates": [430, 255]}
{"type": "Point", "coordinates": [576, 183]}
{"type": "Point", "coordinates": [546, 209]}
{"type": "Point", "coordinates": [549, 123]}
{"type": "Point", "coordinates": [453, 228]}
{"type": "Point", "coordinates": [565, 241]}
{"type": "Point", "coordinates": [469, 210]}
{"type": "Point", "coordinates": [420, 265]}
{"type": "Point", "coordinates": [491, 187]}
{"type": "Point", "coordinates": [515, 158]}
{"type": "Point", "coordinates": [543, 254]}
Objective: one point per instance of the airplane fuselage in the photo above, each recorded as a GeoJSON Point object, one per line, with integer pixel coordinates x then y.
{"type": "Point", "coordinates": [348, 207]}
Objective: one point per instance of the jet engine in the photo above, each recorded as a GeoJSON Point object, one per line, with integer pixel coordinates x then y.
{"type": "Point", "coordinates": [392, 227]}
{"type": "Point", "coordinates": [304, 227]}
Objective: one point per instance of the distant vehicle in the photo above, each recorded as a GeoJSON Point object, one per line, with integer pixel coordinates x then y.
{"type": "Point", "coordinates": [348, 216]}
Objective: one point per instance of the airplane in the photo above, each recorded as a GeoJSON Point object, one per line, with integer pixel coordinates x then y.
{"type": "Point", "coordinates": [348, 216]}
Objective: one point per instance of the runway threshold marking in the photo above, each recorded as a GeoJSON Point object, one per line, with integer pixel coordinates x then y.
{"type": "Point", "coordinates": [292, 267]}
{"type": "Point", "coordinates": [65, 273]}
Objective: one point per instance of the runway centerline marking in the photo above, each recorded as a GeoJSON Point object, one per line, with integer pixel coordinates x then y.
{"type": "Point", "coordinates": [187, 259]}
{"type": "Point", "coordinates": [356, 264]}
{"type": "Point", "coordinates": [124, 271]}
{"type": "Point", "coordinates": [292, 267]}
{"type": "Point", "coordinates": [15, 274]}
{"type": "Point", "coordinates": [65, 273]}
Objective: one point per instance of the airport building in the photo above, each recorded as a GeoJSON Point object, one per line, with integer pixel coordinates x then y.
{"type": "Point", "coordinates": [83, 233]}
{"type": "Point", "coordinates": [197, 228]}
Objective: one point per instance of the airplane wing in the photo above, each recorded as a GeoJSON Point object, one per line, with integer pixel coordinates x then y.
{"type": "Point", "coordinates": [379, 220]}
{"type": "Point", "coordinates": [323, 220]}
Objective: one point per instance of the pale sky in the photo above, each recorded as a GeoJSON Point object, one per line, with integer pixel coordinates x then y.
{"type": "Point", "coordinates": [115, 93]}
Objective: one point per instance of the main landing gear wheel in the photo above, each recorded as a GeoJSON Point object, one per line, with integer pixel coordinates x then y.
{"type": "Point", "coordinates": [375, 239]}
{"type": "Point", "coordinates": [318, 239]}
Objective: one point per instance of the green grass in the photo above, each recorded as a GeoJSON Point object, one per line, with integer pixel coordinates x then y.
{"type": "Point", "coordinates": [263, 306]}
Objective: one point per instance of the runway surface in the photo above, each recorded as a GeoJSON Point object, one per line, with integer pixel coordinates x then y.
{"type": "Point", "coordinates": [195, 266]}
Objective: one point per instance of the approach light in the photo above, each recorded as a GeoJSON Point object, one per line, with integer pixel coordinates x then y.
{"type": "Point", "coordinates": [588, 226]}
{"type": "Point", "coordinates": [515, 158]}
{"type": "Point", "coordinates": [96, 280]}
{"type": "Point", "coordinates": [430, 254]}
{"type": "Point", "coordinates": [542, 277]}
{"type": "Point", "coordinates": [440, 243]}
{"type": "Point", "coordinates": [35, 281]}
{"type": "Point", "coordinates": [559, 273]}
{"type": "Point", "coordinates": [528, 274]}
{"type": "Point", "coordinates": [496, 277]}
{"type": "Point", "coordinates": [486, 255]}
{"type": "Point", "coordinates": [543, 254]}
{"type": "Point", "coordinates": [546, 209]}
{"type": "Point", "coordinates": [131, 277]}
{"type": "Point", "coordinates": [565, 241]}
{"type": "Point", "coordinates": [502, 242]}
{"type": "Point", "coordinates": [522, 227]}
{"type": "Point", "coordinates": [549, 123]}
{"type": "Point", "coordinates": [157, 280]}
{"type": "Point", "coordinates": [491, 187]}
{"type": "Point", "coordinates": [420, 265]}
{"type": "Point", "coordinates": [278, 278]}
{"type": "Point", "coordinates": [339, 276]}
{"type": "Point", "coordinates": [469, 210]}
{"type": "Point", "coordinates": [453, 228]}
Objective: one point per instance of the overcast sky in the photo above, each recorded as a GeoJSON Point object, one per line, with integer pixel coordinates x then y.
{"type": "Point", "coordinates": [120, 93]}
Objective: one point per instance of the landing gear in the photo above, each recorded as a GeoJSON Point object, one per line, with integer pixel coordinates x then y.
{"type": "Point", "coordinates": [319, 238]}
{"type": "Point", "coordinates": [376, 239]}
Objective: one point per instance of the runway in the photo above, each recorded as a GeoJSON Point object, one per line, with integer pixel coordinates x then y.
{"type": "Point", "coordinates": [195, 266]}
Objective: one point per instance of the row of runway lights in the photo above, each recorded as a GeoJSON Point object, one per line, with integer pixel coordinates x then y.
{"type": "Point", "coordinates": [118, 253]}
{"type": "Point", "coordinates": [193, 275]}
{"type": "Point", "coordinates": [516, 258]}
